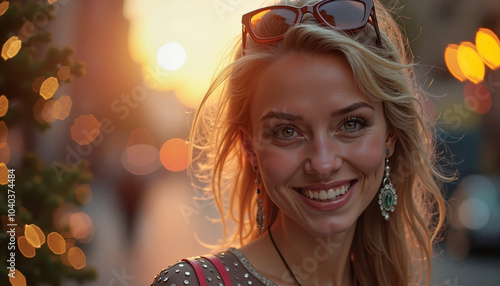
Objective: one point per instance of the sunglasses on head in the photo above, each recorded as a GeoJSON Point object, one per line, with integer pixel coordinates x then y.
{"type": "Point", "coordinates": [339, 15]}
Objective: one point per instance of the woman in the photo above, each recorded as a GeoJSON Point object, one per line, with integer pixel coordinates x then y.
{"type": "Point", "coordinates": [320, 150]}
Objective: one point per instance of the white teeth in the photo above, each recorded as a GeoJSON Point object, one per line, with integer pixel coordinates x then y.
{"type": "Point", "coordinates": [324, 195]}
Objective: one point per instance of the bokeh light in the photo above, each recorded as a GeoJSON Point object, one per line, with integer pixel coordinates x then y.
{"type": "Point", "coordinates": [26, 30]}
{"type": "Point", "coordinates": [141, 136]}
{"type": "Point", "coordinates": [141, 159]}
{"type": "Point", "coordinates": [477, 97]}
{"type": "Point", "coordinates": [4, 105]}
{"type": "Point", "coordinates": [4, 6]}
{"type": "Point", "coordinates": [77, 258]}
{"type": "Point", "coordinates": [56, 243]}
{"type": "Point", "coordinates": [38, 110]}
{"type": "Point", "coordinates": [4, 174]}
{"type": "Point", "coordinates": [34, 235]}
{"type": "Point", "coordinates": [83, 194]}
{"type": "Point", "coordinates": [4, 131]}
{"type": "Point", "coordinates": [85, 129]}
{"type": "Point", "coordinates": [81, 226]}
{"type": "Point", "coordinates": [49, 87]}
{"type": "Point", "coordinates": [451, 59]}
{"type": "Point", "coordinates": [4, 153]}
{"type": "Point", "coordinates": [488, 47]}
{"type": "Point", "coordinates": [63, 73]}
{"type": "Point", "coordinates": [48, 111]}
{"type": "Point", "coordinates": [171, 56]}
{"type": "Point", "coordinates": [26, 248]}
{"type": "Point", "coordinates": [174, 155]}
{"type": "Point", "coordinates": [18, 280]}
{"type": "Point", "coordinates": [11, 47]}
{"type": "Point", "coordinates": [473, 213]}
{"type": "Point", "coordinates": [62, 107]}
{"type": "Point", "coordinates": [470, 62]}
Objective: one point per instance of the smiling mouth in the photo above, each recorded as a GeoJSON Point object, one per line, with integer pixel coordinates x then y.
{"type": "Point", "coordinates": [327, 194]}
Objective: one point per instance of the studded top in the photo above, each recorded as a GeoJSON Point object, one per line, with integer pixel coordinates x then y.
{"type": "Point", "coordinates": [239, 269]}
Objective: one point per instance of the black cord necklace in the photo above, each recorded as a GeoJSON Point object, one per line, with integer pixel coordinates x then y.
{"type": "Point", "coordinates": [282, 258]}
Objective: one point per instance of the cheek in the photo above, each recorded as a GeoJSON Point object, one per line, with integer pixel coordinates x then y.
{"type": "Point", "coordinates": [368, 155]}
{"type": "Point", "coordinates": [277, 165]}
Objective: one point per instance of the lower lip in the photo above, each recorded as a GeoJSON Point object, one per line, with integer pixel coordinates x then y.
{"type": "Point", "coordinates": [330, 205]}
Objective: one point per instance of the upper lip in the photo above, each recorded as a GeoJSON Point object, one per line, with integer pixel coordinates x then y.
{"type": "Point", "coordinates": [325, 186]}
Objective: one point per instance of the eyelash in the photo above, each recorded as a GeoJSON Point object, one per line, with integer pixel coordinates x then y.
{"type": "Point", "coordinates": [279, 128]}
{"type": "Point", "coordinates": [359, 119]}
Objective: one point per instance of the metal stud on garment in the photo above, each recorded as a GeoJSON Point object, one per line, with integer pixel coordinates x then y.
{"type": "Point", "coordinates": [260, 212]}
{"type": "Point", "coordinates": [387, 198]}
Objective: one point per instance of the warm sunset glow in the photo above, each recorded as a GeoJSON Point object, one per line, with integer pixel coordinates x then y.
{"type": "Point", "coordinates": [63, 73]}
{"type": "Point", "coordinates": [83, 194]}
{"type": "Point", "coordinates": [4, 174]}
{"type": "Point", "coordinates": [11, 48]}
{"type": "Point", "coordinates": [34, 235]}
{"type": "Point", "coordinates": [4, 105]}
{"type": "Point", "coordinates": [3, 7]}
{"type": "Point", "coordinates": [470, 62]}
{"type": "Point", "coordinates": [19, 279]}
{"type": "Point", "coordinates": [477, 97]}
{"type": "Point", "coordinates": [85, 129]}
{"type": "Point", "coordinates": [77, 258]}
{"type": "Point", "coordinates": [62, 107]}
{"type": "Point", "coordinates": [56, 243]}
{"type": "Point", "coordinates": [25, 247]}
{"type": "Point", "coordinates": [488, 46]}
{"type": "Point", "coordinates": [171, 56]}
{"type": "Point", "coordinates": [203, 30]}
{"type": "Point", "coordinates": [174, 155]}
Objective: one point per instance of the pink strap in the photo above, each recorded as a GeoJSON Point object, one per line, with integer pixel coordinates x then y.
{"type": "Point", "coordinates": [198, 270]}
{"type": "Point", "coordinates": [222, 270]}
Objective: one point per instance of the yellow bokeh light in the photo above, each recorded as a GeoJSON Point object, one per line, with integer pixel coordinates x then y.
{"type": "Point", "coordinates": [4, 6]}
{"type": "Point", "coordinates": [62, 107]}
{"type": "Point", "coordinates": [85, 129]}
{"type": "Point", "coordinates": [77, 258]}
{"type": "Point", "coordinates": [49, 87]}
{"type": "Point", "coordinates": [25, 247]}
{"type": "Point", "coordinates": [63, 73]}
{"type": "Point", "coordinates": [488, 47]}
{"type": "Point", "coordinates": [11, 48]}
{"type": "Point", "coordinates": [34, 235]}
{"type": "Point", "coordinates": [4, 174]}
{"type": "Point", "coordinates": [52, 1]}
{"type": "Point", "coordinates": [56, 243]}
{"type": "Point", "coordinates": [470, 62]}
{"type": "Point", "coordinates": [83, 194]}
{"type": "Point", "coordinates": [174, 155]}
{"type": "Point", "coordinates": [18, 280]}
{"type": "Point", "coordinates": [4, 105]}
{"type": "Point", "coordinates": [37, 83]}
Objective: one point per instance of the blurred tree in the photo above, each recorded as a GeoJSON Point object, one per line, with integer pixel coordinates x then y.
{"type": "Point", "coordinates": [40, 189]}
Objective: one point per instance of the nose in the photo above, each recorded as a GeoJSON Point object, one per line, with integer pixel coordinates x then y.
{"type": "Point", "coordinates": [323, 157]}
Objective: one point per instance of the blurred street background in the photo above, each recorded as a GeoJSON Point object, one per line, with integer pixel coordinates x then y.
{"type": "Point", "coordinates": [130, 207]}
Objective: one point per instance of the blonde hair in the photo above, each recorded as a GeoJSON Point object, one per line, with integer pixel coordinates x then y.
{"type": "Point", "coordinates": [394, 252]}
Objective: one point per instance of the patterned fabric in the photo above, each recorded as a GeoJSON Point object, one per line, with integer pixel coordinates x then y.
{"type": "Point", "coordinates": [238, 268]}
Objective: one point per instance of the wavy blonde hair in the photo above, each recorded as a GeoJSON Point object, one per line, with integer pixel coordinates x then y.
{"type": "Point", "coordinates": [394, 252]}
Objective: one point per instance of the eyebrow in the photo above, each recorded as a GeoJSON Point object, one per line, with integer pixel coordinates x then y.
{"type": "Point", "coordinates": [351, 108]}
{"type": "Point", "coordinates": [282, 115]}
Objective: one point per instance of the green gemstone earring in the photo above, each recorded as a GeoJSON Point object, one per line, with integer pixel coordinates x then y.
{"type": "Point", "coordinates": [387, 198]}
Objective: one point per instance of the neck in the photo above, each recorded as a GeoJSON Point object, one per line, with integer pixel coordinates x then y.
{"type": "Point", "coordinates": [317, 260]}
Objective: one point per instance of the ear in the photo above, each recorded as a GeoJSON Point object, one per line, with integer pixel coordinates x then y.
{"type": "Point", "coordinates": [246, 140]}
{"type": "Point", "coordinates": [390, 141]}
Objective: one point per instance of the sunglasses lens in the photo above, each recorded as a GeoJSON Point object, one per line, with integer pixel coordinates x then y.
{"type": "Point", "coordinates": [275, 22]}
{"type": "Point", "coordinates": [343, 14]}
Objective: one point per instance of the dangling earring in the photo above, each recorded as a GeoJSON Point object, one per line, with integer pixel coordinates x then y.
{"type": "Point", "coordinates": [260, 211]}
{"type": "Point", "coordinates": [387, 198]}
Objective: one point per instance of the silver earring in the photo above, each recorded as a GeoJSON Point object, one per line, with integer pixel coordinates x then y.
{"type": "Point", "coordinates": [387, 198]}
{"type": "Point", "coordinates": [260, 211]}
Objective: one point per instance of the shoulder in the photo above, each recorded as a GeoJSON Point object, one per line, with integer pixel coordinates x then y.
{"type": "Point", "coordinates": [225, 268]}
